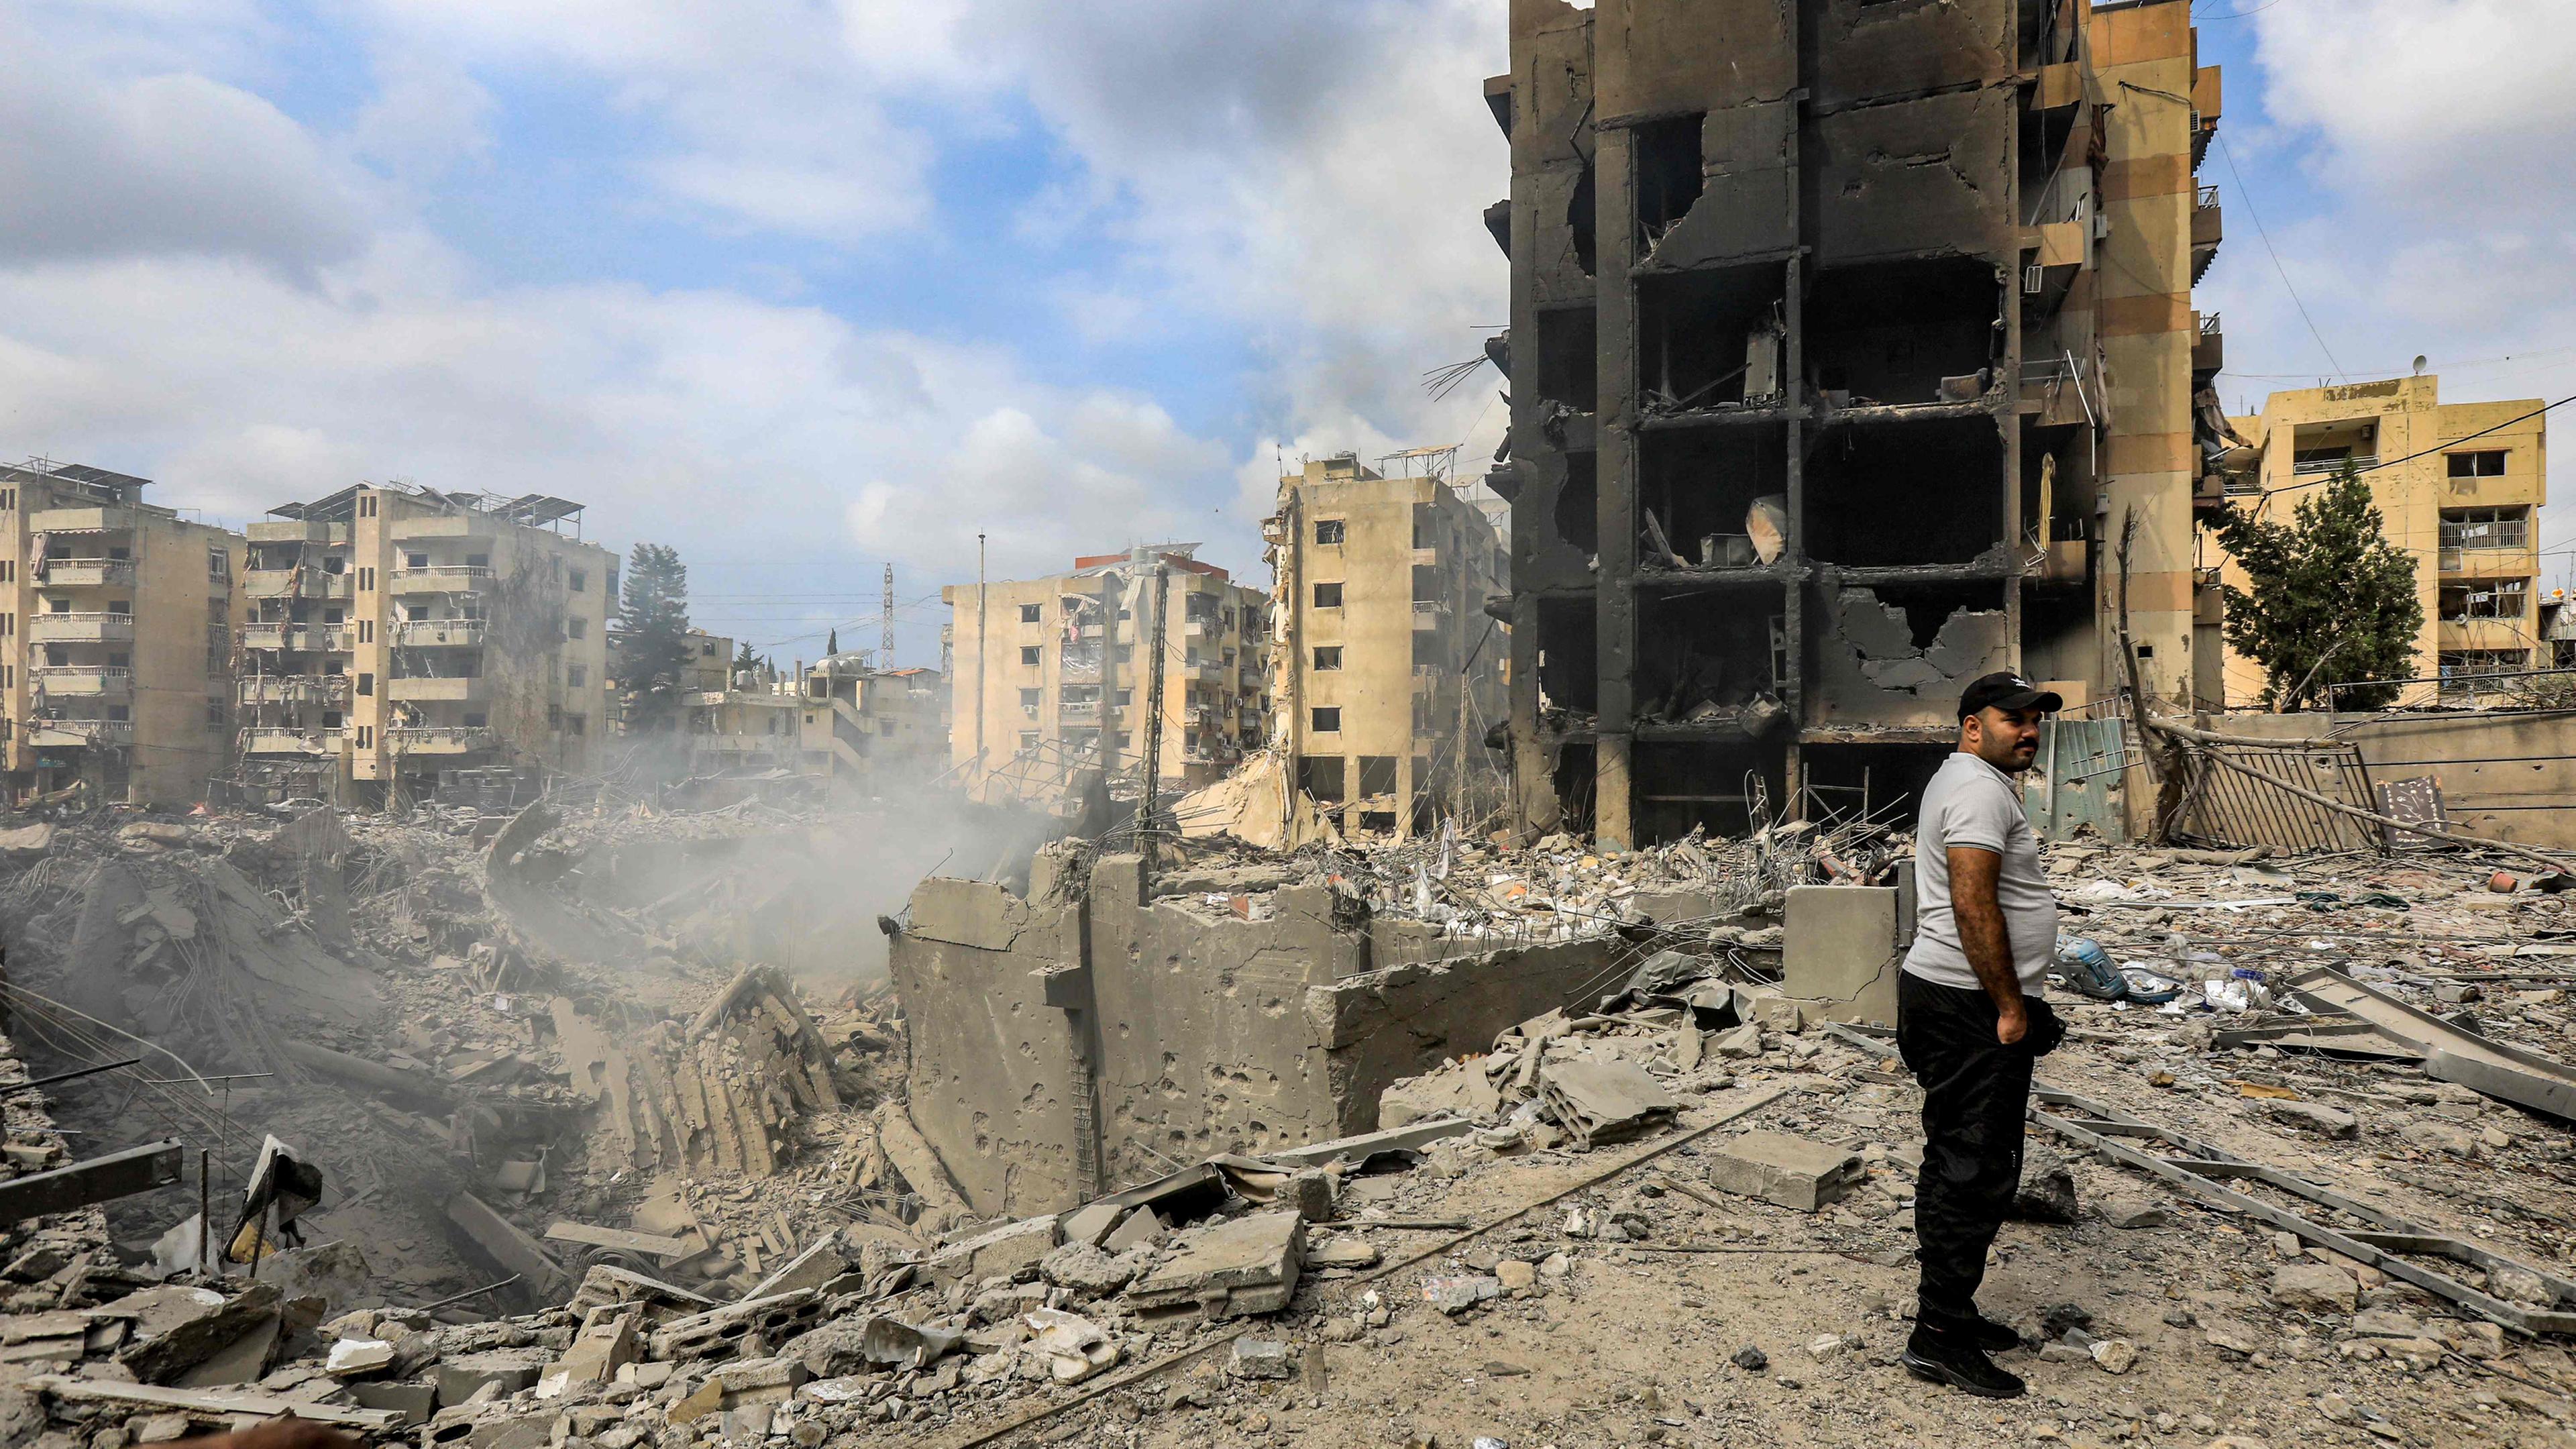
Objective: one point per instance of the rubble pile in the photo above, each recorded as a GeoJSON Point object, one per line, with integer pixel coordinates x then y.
{"type": "Point", "coordinates": [472, 1051]}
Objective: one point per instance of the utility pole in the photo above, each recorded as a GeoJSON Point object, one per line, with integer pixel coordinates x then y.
{"type": "Point", "coordinates": [979, 656]}
{"type": "Point", "coordinates": [1153, 760]}
{"type": "Point", "coordinates": [885, 619]}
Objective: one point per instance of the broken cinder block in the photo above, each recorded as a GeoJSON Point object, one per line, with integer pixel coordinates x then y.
{"type": "Point", "coordinates": [1787, 1171]}
{"type": "Point", "coordinates": [1596, 1100]}
{"type": "Point", "coordinates": [1245, 1266]}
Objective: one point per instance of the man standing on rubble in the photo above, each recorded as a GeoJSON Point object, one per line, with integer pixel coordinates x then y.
{"type": "Point", "coordinates": [1970, 1021]}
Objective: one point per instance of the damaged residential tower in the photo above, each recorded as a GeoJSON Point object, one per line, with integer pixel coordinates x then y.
{"type": "Point", "coordinates": [1847, 335]}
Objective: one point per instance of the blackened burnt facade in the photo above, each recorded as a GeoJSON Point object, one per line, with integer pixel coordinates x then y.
{"type": "Point", "coordinates": [1846, 336]}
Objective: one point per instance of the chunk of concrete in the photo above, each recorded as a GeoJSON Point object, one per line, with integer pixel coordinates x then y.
{"type": "Point", "coordinates": [512, 1369]}
{"type": "Point", "coordinates": [1596, 1100]}
{"type": "Point", "coordinates": [812, 1268]}
{"type": "Point", "coordinates": [1838, 952]}
{"type": "Point", "coordinates": [1089, 1223]}
{"type": "Point", "coordinates": [1072, 1348]}
{"type": "Point", "coordinates": [722, 1331]}
{"type": "Point", "coordinates": [1141, 1226]}
{"type": "Point", "coordinates": [2314, 1117]}
{"type": "Point", "coordinates": [411, 1400]}
{"type": "Point", "coordinates": [1738, 1042]}
{"type": "Point", "coordinates": [1458, 1089]}
{"type": "Point", "coordinates": [2314, 1288]}
{"type": "Point", "coordinates": [1086, 1271]}
{"type": "Point", "coordinates": [1009, 1251]}
{"type": "Point", "coordinates": [604, 1346]}
{"type": "Point", "coordinates": [1245, 1266]}
{"type": "Point", "coordinates": [1787, 1171]}
{"type": "Point", "coordinates": [740, 1384]}
{"type": "Point", "coordinates": [1261, 1358]}
{"type": "Point", "coordinates": [178, 1329]}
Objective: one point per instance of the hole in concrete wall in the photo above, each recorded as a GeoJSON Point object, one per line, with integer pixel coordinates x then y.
{"type": "Point", "coordinates": [1716, 786]}
{"type": "Point", "coordinates": [1579, 221]}
{"type": "Point", "coordinates": [1569, 358]}
{"type": "Point", "coordinates": [1700, 482]}
{"type": "Point", "coordinates": [1889, 332]}
{"type": "Point", "coordinates": [1576, 784]}
{"type": "Point", "coordinates": [1900, 654]}
{"type": "Point", "coordinates": [1578, 503]}
{"type": "Point", "coordinates": [1888, 779]}
{"type": "Point", "coordinates": [1322, 777]}
{"type": "Point", "coordinates": [2057, 487]}
{"type": "Point", "coordinates": [1568, 654]}
{"type": "Point", "coordinates": [1706, 658]}
{"type": "Point", "coordinates": [1668, 173]}
{"type": "Point", "coordinates": [2057, 638]}
{"type": "Point", "coordinates": [1927, 492]}
{"type": "Point", "coordinates": [1707, 339]}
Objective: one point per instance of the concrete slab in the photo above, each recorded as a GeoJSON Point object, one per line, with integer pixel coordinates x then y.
{"type": "Point", "coordinates": [1790, 1172]}
{"type": "Point", "coordinates": [1246, 1266]}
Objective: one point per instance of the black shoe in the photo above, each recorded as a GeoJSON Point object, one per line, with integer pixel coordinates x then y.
{"type": "Point", "coordinates": [1941, 1358]}
{"type": "Point", "coordinates": [1992, 1337]}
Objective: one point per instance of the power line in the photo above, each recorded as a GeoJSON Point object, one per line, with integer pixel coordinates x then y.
{"type": "Point", "coordinates": [2250, 210]}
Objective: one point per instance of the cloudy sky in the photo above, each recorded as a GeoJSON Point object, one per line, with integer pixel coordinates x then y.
{"type": "Point", "coordinates": [804, 287]}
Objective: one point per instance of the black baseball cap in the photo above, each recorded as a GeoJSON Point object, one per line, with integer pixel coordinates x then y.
{"type": "Point", "coordinates": [2007, 690]}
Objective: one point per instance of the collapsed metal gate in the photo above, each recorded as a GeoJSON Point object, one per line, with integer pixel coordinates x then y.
{"type": "Point", "coordinates": [2236, 807]}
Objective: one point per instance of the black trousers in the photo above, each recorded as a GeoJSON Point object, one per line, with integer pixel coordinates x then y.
{"type": "Point", "coordinates": [1975, 1091]}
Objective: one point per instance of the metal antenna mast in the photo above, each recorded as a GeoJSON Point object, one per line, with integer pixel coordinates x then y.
{"type": "Point", "coordinates": [885, 624]}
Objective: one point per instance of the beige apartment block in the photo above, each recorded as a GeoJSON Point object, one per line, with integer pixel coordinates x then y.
{"type": "Point", "coordinates": [2459, 487]}
{"type": "Point", "coordinates": [400, 635]}
{"type": "Point", "coordinates": [1053, 675]}
{"type": "Point", "coordinates": [115, 638]}
{"type": "Point", "coordinates": [1390, 672]}
{"type": "Point", "coordinates": [707, 669]}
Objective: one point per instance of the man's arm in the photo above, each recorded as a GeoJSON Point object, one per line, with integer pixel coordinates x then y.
{"type": "Point", "coordinates": [1980, 914]}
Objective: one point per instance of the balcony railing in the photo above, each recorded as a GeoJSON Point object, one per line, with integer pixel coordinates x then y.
{"type": "Point", "coordinates": [80, 628]}
{"type": "Point", "coordinates": [2334, 465]}
{"type": "Point", "coordinates": [440, 578]}
{"type": "Point", "coordinates": [293, 689]}
{"type": "Point", "coordinates": [435, 633]}
{"type": "Point", "coordinates": [280, 635]}
{"type": "Point", "coordinates": [1078, 709]}
{"type": "Point", "coordinates": [81, 520]}
{"type": "Point", "coordinates": [440, 739]}
{"type": "Point", "coordinates": [96, 734]}
{"type": "Point", "coordinates": [85, 573]}
{"type": "Point", "coordinates": [1429, 613]}
{"type": "Point", "coordinates": [287, 742]}
{"type": "Point", "coordinates": [100, 679]}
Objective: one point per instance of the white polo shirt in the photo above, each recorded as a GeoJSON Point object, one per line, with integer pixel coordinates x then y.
{"type": "Point", "coordinates": [1971, 803]}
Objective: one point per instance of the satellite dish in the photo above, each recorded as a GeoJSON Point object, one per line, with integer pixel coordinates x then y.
{"type": "Point", "coordinates": [2419, 364]}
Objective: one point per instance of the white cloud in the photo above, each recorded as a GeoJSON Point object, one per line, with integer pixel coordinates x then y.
{"type": "Point", "coordinates": [160, 164]}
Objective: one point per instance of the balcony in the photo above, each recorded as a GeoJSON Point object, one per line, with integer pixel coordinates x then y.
{"type": "Point", "coordinates": [81, 628]}
{"type": "Point", "coordinates": [1079, 711]}
{"type": "Point", "coordinates": [2206, 231]}
{"type": "Point", "coordinates": [439, 633]}
{"type": "Point", "coordinates": [412, 530]}
{"type": "Point", "coordinates": [2308, 466]}
{"type": "Point", "coordinates": [441, 740]}
{"type": "Point", "coordinates": [86, 573]}
{"type": "Point", "coordinates": [81, 520]}
{"type": "Point", "coordinates": [289, 742]}
{"type": "Point", "coordinates": [302, 637]}
{"type": "Point", "coordinates": [1430, 614]}
{"type": "Point", "coordinates": [2209, 349]}
{"type": "Point", "coordinates": [2454, 635]}
{"type": "Point", "coordinates": [421, 687]}
{"type": "Point", "coordinates": [440, 579]}
{"type": "Point", "coordinates": [87, 734]}
{"type": "Point", "coordinates": [293, 689]}
{"type": "Point", "coordinates": [1426, 558]}
{"type": "Point", "coordinates": [764, 745]}
{"type": "Point", "coordinates": [105, 681]}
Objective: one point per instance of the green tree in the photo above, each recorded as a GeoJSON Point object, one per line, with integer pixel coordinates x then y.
{"type": "Point", "coordinates": [745, 659]}
{"type": "Point", "coordinates": [832, 645]}
{"type": "Point", "coordinates": [2332, 599]}
{"type": "Point", "coordinates": [653, 609]}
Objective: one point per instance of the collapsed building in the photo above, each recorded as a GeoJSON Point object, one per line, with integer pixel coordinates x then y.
{"type": "Point", "coordinates": [1852, 356]}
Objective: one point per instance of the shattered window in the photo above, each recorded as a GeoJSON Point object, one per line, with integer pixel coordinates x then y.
{"type": "Point", "coordinates": [1029, 654]}
{"type": "Point", "coordinates": [1328, 656]}
{"type": "Point", "coordinates": [1328, 530]}
{"type": "Point", "coordinates": [1029, 613]}
{"type": "Point", "coordinates": [1328, 596]}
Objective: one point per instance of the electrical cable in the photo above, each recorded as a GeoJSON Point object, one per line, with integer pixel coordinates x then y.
{"type": "Point", "coordinates": [2254, 212]}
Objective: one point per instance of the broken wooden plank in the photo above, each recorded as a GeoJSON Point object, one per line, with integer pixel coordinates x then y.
{"type": "Point", "coordinates": [212, 1401]}
{"type": "Point", "coordinates": [100, 1179]}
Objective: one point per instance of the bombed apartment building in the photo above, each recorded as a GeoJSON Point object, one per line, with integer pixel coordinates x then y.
{"type": "Point", "coordinates": [1852, 350]}
{"type": "Point", "coordinates": [402, 641]}
{"type": "Point", "coordinates": [1052, 676]}
{"type": "Point", "coordinates": [1390, 672]}
{"type": "Point", "coordinates": [115, 639]}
